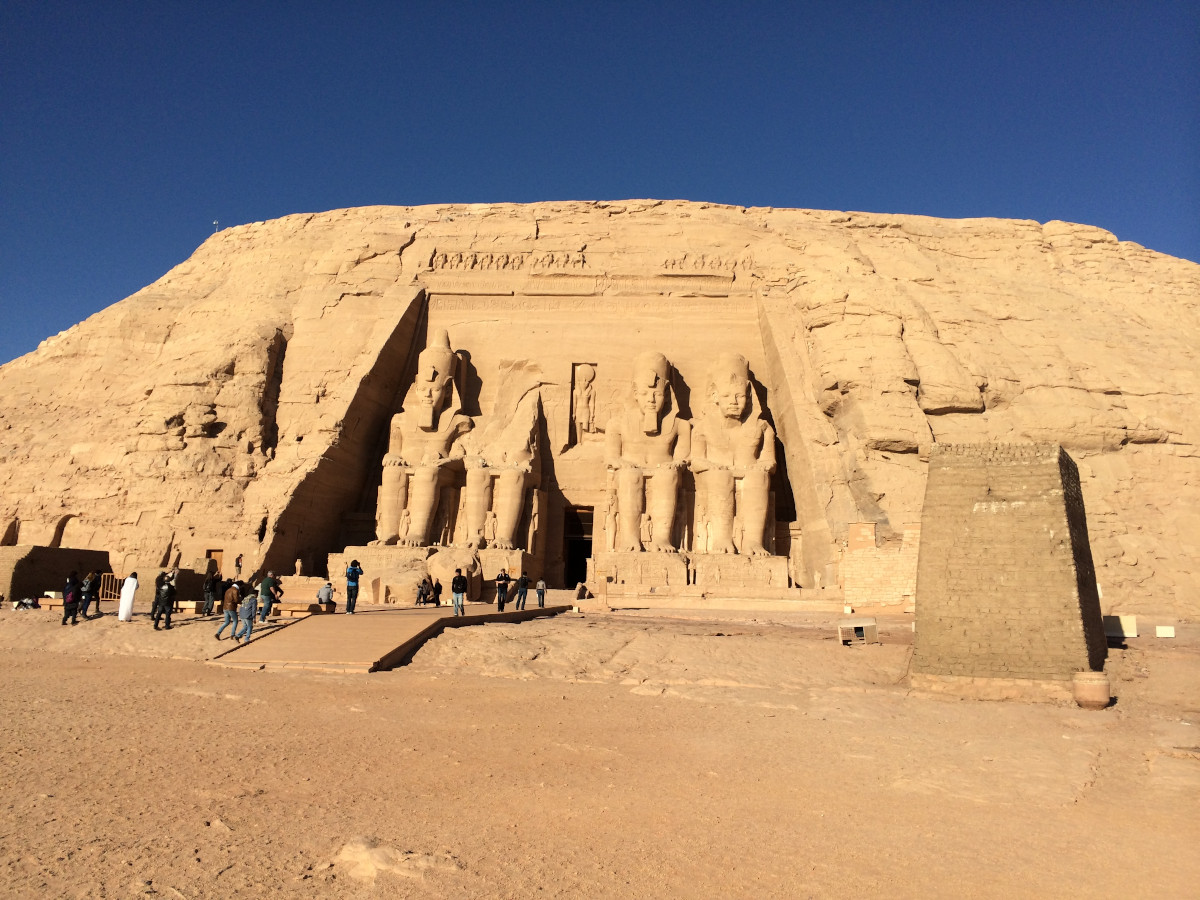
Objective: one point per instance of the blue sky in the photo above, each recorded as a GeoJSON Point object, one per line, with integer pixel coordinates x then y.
{"type": "Point", "coordinates": [127, 128]}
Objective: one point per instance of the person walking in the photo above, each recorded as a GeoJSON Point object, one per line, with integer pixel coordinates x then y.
{"type": "Point", "coordinates": [522, 590]}
{"type": "Point", "coordinates": [246, 616]}
{"type": "Point", "coordinates": [128, 588]}
{"type": "Point", "coordinates": [424, 589]}
{"type": "Point", "coordinates": [212, 588]}
{"type": "Point", "coordinates": [502, 581]}
{"type": "Point", "coordinates": [353, 573]}
{"type": "Point", "coordinates": [540, 587]}
{"type": "Point", "coordinates": [89, 591]}
{"type": "Point", "coordinates": [437, 592]}
{"type": "Point", "coordinates": [270, 591]}
{"type": "Point", "coordinates": [458, 590]}
{"type": "Point", "coordinates": [71, 599]}
{"type": "Point", "coordinates": [165, 602]}
{"type": "Point", "coordinates": [229, 606]}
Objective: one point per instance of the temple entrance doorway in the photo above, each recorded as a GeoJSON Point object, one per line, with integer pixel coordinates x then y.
{"type": "Point", "coordinates": [577, 543]}
{"type": "Point", "coordinates": [217, 556]}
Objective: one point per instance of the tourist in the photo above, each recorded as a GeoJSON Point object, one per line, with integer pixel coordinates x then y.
{"type": "Point", "coordinates": [437, 592]}
{"type": "Point", "coordinates": [502, 581]}
{"type": "Point", "coordinates": [458, 590]}
{"type": "Point", "coordinates": [246, 615]}
{"type": "Point", "coordinates": [353, 573]}
{"type": "Point", "coordinates": [125, 607]}
{"type": "Point", "coordinates": [325, 593]}
{"type": "Point", "coordinates": [540, 587]}
{"type": "Point", "coordinates": [71, 599]}
{"type": "Point", "coordinates": [164, 601]}
{"type": "Point", "coordinates": [90, 591]}
{"type": "Point", "coordinates": [237, 568]}
{"type": "Point", "coordinates": [212, 589]}
{"type": "Point", "coordinates": [424, 589]}
{"type": "Point", "coordinates": [270, 592]}
{"type": "Point", "coordinates": [229, 605]}
{"type": "Point", "coordinates": [522, 590]}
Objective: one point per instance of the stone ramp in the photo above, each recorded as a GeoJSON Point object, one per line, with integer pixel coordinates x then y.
{"type": "Point", "coordinates": [372, 640]}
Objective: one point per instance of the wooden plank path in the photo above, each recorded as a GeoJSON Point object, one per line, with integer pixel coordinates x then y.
{"type": "Point", "coordinates": [374, 639]}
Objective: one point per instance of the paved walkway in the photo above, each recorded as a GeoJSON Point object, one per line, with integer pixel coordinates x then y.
{"type": "Point", "coordinates": [374, 639]}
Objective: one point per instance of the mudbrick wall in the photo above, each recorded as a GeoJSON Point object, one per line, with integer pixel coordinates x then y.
{"type": "Point", "coordinates": [1005, 583]}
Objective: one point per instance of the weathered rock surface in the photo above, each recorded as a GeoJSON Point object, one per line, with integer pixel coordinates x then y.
{"type": "Point", "coordinates": [240, 403]}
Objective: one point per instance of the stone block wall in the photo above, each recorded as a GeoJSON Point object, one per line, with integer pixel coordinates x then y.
{"type": "Point", "coordinates": [1006, 588]}
{"type": "Point", "coordinates": [29, 571]}
{"type": "Point", "coordinates": [880, 576]}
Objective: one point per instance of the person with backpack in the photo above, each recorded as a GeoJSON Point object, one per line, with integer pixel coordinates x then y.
{"type": "Point", "coordinates": [246, 615]}
{"type": "Point", "coordinates": [353, 573]}
{"type": "Point", "coordinates": [71, 599]}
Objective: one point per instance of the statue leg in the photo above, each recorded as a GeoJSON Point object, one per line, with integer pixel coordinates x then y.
{"type": "Point", "coordinates": [719, 490]}
{"type": "Point", "coordinates": [663, 494]}
{"type": "Point", "coordinates": [631, 503]}
{"type": "Point", "coordinates": [509, 497]}
{"type": "Point", "coordinates": [756, 487]}
{"type": "Point", "coordinates": [479, 500]}
{"type": "Point", "coordinates": [393, 496]}
{"type": "Point", "coordinates": [424, 492]}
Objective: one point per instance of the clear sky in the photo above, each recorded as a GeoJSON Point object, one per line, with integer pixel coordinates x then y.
{"type": "Point", "coordinates": [126, 128]}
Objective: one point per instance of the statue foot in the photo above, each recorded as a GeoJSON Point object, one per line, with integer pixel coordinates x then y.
{"type": "Point", "coordinates": [502, 545]}
{"type": "Point", "coordinates": [724, 548]}
{"type": "Point", "coordinates": [758, 550]}
{"type": "Point", "coordinates": [662, 548]}
{"type": "Point", "coordinates": [629, 548]}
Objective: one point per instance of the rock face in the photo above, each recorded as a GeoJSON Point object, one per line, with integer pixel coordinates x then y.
{"type": "Point", "coordinates": [242, 403]}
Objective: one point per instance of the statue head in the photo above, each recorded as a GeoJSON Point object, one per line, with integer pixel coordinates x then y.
{"type": "Point", "coordinates": [584, 374]}
{"type": "Point", "coordinates": [651, 388]}
{"type": "Point", "coordinates": [729, 385]}
{"type": "Point", "coordinates": [435, 373]}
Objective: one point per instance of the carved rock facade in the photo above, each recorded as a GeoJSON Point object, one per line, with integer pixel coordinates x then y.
{"type": "Point", "coordinates": [168, 428]}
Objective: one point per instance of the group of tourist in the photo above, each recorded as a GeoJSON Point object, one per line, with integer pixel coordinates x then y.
{"type": "Point", "coordinates": [78, 596]}
{"type": "Point", "coordinates": [503, 580]}
{"type": "Point", "coordinates": [429, 591]}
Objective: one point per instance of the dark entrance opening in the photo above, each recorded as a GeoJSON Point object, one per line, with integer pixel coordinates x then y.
{"type": "Point", "coordinates": [577, 543]}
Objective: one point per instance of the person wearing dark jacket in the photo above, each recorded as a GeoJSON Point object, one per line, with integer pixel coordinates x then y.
{"type": "Point", "coordinates": [164, 603]}
{"type": "Point", "coordinates": [502, 581]}
{"type": "Point", "coordinates": [71, 599]}
{"type": "Point", "coordinates": [89, 591]}
{"type": "Point", "coordinates": [522, 590]}
{"type": "Point", "coordinates": [212, 589]}
{"type": "Point", "coordinates": [458, 590]}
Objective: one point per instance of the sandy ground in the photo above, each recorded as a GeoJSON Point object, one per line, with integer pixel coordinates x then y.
{"type": "Point", "coordinates": [585, 756]}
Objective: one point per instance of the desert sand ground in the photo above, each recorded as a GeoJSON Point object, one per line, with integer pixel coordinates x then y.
{"type": "Point", "coordinates": [584, 756]}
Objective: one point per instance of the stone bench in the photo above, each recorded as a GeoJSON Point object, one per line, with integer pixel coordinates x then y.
{"type": "Point", "coordinates": [290, 610]}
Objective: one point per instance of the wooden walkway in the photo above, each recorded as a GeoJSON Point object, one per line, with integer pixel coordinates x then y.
{"type": "Point", "coordinates": [374, 639]}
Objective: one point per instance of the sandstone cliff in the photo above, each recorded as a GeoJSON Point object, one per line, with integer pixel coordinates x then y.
{"type": "Point", "coordinates": [239, 403]}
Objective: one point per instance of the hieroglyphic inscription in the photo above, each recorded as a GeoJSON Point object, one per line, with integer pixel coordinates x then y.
{"type": "Point", "coordinates": [443, 260]}
{"type": "Point", "coordinates": [675, 306]}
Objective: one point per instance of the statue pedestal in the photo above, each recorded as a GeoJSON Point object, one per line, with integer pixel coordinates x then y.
{"type": "Point", "coordinates": [728, 570]}
{"type": "Point", "coordinates": [640, 568]}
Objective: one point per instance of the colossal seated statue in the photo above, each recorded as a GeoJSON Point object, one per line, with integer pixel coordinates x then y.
{"type": "Point", "coordinates": [500, 457]}
{"type": "Point", "coordinates": [425, 438]}
{"type": "Point", "coordinates": [645, 447]}
{"type": "Point", "coordinates": [732, 444]}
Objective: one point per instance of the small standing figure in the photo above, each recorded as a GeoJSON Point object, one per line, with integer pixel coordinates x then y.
{"type": "Point", "coordinates": [437, 592]}
{"type": "Point", "coordinates": [458, 590]}
{"type": "Point", "coordinates": [522, 590]}
{"type": "Point", "coordinates": [584, 401]}
{"type": "Point", "coordinates": [540, 587]}
{"type": "Point", "coordinates": [237, 567]}
{"type": "Point", "coordinates": [424, 591]}
{"type": "Point", "coordinates": [71, 600]}
{"type": "Point", "coordinates": [353, 573]}
{"type": "Point", "coordinates": [128, 588]}
{"type": "Point", "coordinates": [502, 581]}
